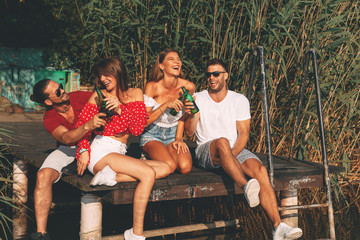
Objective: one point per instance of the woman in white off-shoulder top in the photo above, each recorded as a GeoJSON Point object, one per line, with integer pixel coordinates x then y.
{"type": "Point", "coordinates": [162, 139]}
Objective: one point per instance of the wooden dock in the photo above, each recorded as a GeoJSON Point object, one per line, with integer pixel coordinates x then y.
{"type": "Point", "coordinates": [34, 144]}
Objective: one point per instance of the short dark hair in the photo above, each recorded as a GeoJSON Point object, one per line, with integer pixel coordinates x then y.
{"type": "Point", "coordinates": [216, 61]}
{"type": "Point", "coordinates": [39, 95]}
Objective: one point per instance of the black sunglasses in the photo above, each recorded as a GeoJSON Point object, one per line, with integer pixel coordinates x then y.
{"type": "Point", "coordinates": [58, 91]}
{"type": "Point", "coordinates": [215, 74]}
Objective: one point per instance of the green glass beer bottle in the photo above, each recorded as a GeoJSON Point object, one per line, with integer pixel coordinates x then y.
{"type": "Point", "coordinates": [190, 98]}
{"type": "Point", "coordinates": [103, 108]}
{"type": "Point", "coordinates": [182, 98]}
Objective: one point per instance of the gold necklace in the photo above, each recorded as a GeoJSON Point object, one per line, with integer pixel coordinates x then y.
{"type": "Point", "coordinates": [66, 109]}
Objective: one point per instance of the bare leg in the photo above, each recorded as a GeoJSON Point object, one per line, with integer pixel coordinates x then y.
{"type": "Point", "coordinates": [162, 170]}
{"type": "Point", "coordinates": [137, 169]}
{"type": "Point", "coordinates": [183, 160]}
{"type": "Point", "coordinates": [254, 169]}
{"type": "Point", "coordinates": [157, 151]}
{"type": "Point", "coordinates": [221, 153]}
{"type": "Point", "coordinates": [43, 196]}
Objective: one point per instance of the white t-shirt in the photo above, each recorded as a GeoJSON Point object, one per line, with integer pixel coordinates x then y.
{"type": "Point", "coordinates": [219, 119]}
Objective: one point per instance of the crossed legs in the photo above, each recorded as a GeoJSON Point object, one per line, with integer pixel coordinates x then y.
{"type": "Point", "coordinates": [145, 171]}
{"type": "Point", "coordinates": [221, 153]}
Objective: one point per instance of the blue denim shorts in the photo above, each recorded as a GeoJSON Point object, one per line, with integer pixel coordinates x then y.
{"type": "Point", "coordinates": [156, 133]}
{"type": "Point", "coordinates": [203, 158]}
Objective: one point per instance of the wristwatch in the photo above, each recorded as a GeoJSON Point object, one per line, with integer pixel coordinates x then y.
{"type": "Point", "coordinates": [82, 150]}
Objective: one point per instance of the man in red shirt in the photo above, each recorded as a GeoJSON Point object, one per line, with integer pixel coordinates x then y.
{"type": "Point", "coordinates": [59, 120]}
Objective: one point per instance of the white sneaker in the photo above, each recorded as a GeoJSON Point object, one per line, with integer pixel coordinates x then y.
{"type": "Point", "coordinates": [251, 192]}
{"type": "Point", "coordinates": [284, 231]}
{"type": "Point", "coordinates": [129, 235]}
{"type": "Point", "coordinates": [104, 177]}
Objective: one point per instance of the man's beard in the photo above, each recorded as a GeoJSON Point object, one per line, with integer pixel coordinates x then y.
{"type": "Point", "coordinates": [218, 89]}
{"type": "Point", "coordinates": [62, 103]}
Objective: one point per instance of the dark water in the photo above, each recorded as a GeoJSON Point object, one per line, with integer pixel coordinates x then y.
{"type": "Point", "coordinates": [64, 219]}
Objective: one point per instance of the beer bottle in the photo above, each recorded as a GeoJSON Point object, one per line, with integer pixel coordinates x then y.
{"type": "Point", "coordinates": [103, 108]}
{"type": "Point", "coordinates": [190, 98]}
{"type": "Point", "coordinates": [182, 98]}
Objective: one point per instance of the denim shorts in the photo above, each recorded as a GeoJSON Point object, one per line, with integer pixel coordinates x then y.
{"type": "Point", "coordinates": [203, 158]}
{"type": "Point", "coordinates": [156, 133]}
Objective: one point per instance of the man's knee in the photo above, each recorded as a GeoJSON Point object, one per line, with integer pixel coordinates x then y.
{"type": "Point", "coordinates": [46, 176]}
{"type": "Point", "coordinates": [261, 173]}
{"type": "Point", "coordinates": [222, 144]}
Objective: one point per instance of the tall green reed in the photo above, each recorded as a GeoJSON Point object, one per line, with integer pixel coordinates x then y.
{"type": "Point", "coordinates": [137, 30]}
{"type": "Point", "coordinates": [6, 182]}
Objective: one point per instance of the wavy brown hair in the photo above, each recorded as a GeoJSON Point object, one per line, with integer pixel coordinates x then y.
{"type": "Point", "coordinates": [157, 74]}
{"type": "Point", "coordinates": [112, 66]}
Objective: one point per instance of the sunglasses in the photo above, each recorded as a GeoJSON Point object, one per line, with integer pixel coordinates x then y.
{"type": "Point", "coordinates": [215, 74]}
{"type": "Point", "coordinates": [58, 91]}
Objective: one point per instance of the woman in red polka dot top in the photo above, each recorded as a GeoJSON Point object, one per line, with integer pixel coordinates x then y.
{"type": "Point", "coordinates": [106, 158]}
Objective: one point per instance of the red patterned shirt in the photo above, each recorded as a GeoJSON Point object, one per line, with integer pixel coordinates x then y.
{"type": "Point", "coordinates": [132, 120]}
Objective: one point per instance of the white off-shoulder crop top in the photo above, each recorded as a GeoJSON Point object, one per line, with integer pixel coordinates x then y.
{"type": "Point", "coordinates": [166, 119]}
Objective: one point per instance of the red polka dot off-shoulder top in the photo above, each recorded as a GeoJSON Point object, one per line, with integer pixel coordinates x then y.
{"type": "Point", "coordinates": [132, 120]}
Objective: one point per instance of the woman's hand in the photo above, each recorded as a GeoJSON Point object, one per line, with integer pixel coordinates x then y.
{"type": "Point", "coordinates": [176, 104]}
{"type": "Point", "coordinates": [82, 162]}
{"type": "Point", "coordinates": [180, 146]}
{"type": "Point", "coordinates": [113, 103]}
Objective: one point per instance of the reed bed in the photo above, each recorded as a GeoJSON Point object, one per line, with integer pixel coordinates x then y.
{"type": "Point", "coordinates": [137, 30]}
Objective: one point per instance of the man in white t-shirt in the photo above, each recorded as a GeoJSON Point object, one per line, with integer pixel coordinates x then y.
{"type": "Point", "coordinates": [222, 130]}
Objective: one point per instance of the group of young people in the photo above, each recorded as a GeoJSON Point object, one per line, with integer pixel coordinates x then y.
{"type": "Point", "coordinates": [221, 126]}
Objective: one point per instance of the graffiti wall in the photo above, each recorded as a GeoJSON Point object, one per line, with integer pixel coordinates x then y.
{"type": "Point", "coordinates": [20, 69]}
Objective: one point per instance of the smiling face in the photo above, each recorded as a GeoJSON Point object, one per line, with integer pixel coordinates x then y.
{"type": "Point", "coordinates": [216, 84]}
{"type": "Point", "coordinates": [109, 82]}
{"type": "Point", "coordinates": [171, 65]}
{"type": "Point", "coordinates": [56, 95]}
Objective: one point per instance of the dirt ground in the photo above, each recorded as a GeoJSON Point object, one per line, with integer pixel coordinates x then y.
{"type": "Point", "coordinates": [21, 117]}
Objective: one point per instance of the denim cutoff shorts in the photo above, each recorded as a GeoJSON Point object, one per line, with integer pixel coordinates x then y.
{"type": "Point", "coordinates": [160, 134]}
{"type": "Point", "coordinates": [203, 158]}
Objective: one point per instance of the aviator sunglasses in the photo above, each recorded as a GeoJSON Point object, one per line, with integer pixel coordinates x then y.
{"type": "Point", "coordinates": [215, 74]}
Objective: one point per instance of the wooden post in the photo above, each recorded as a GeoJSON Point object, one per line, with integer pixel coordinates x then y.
{"type": "Point", "coordinates": [20, 197]}
{"type": "Point", "coordinates": [289, 198]}
{"type": "Point", "coordinates": [91, 217]}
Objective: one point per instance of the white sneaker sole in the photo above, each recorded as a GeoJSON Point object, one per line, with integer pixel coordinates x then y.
{"type": "Point", "coordinates": [94, 179]}
{"type": "Point", "coordinates": [295, 235]}
{"type": "Point", "coordinates": [252, 193]}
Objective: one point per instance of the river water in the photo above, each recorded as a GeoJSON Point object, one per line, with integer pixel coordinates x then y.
{"type": "Point", "coordinates": [64, 218]}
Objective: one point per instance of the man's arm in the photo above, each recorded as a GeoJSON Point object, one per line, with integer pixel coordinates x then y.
{"type": "Point", "coordinates": [71, 137]}
{"type": "Point", "coordinates": [243, 129]}
{"type": "Point", "coordinates": [191, 120]}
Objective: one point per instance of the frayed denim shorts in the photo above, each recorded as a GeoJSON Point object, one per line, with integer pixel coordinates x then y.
{"type": "Point", "coordinates": [153, 132]}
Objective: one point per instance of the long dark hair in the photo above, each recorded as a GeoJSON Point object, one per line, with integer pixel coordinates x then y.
{"type": "Point", "coordinates": [114, 67]}
{"type": "Point", "coordinates": [39, 96]}
{"type": "Point", "coordinates": [157, 74]}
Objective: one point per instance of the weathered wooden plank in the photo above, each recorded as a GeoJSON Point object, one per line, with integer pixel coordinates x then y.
{"type": "Point", "coordinates": [34, 144]}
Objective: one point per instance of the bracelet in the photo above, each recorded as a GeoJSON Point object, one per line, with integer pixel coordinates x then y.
{"type": "Point", "coordinates": [82, 150]}
{"type": "Point", "coordinates": [161, 110]}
